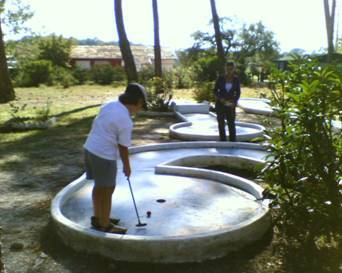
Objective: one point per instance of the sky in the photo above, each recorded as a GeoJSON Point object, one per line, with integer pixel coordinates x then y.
{"type": "Point", "coordinates": [296, 23]}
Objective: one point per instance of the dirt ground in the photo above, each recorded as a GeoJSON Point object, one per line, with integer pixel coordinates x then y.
{"type": "Point", "coordinates": [29, 243]}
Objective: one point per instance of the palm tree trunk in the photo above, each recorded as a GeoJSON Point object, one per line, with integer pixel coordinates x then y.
{"type": "Point", "coordinates": [6, 89]}
{"type": "Point", "coordinates": [218, 38]}
{"type": "Point", "coordinates": [330, 22]}
{"type": "Point", "coordinates": [157, 51]}
{"type": "Point", "coordinates": [130, 68]}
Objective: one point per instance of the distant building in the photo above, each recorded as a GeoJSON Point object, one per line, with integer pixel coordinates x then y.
{"type": "Point", "coordinates": [283, 62]}
{"type": "Point", "coordinates": [88, 56]}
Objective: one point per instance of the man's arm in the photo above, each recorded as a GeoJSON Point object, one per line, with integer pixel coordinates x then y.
{"type": "Point", "coordinates": [216, 89]}
{"type": "Point", "coordinates": [238, 91]}
{"type": "Point", "coordinates": [123, 150]}
{"type": "Point", "coordinates": [216, 93]}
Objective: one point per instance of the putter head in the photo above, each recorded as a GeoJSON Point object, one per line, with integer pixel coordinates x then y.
{"type": "Point", "coordinates": [141, 225]}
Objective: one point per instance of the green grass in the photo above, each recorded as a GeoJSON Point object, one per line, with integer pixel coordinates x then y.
{"type": "Point", "coordinates": [62, 144]}
{"type": "Point", "coordinates": [60, 99]}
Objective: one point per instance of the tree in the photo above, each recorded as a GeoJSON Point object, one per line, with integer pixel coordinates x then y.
{"type": "Point", "coordinates": [220, 51]}
{"type": "Point", "coordinates": [15, 18]}
{"type": "Point", "coordinates": [330, 22]}
{"type": "Point", "coordinates": [252, 47]}
{"type": "Point", "coordinates": [228, 36]}
{"type": "Point", "coordinates": [157, 53]}
{"type": "Point", "coordinates": [55, 49]}
{"type": "Point", "coordinates": [6, 89]}
{"type": "Point", "coordinates": [256, 47]}
{"type": "Point", "coordinates": [130, 68]}
{"type": "Point", "coordinates": [256, 39]}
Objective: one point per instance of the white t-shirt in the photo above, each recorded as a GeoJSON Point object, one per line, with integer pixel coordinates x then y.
{"type": "Point", "coordinates": [112, 126]}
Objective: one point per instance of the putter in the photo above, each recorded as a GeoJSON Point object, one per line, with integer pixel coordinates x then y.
{"type": "Point", "coordinates": [135, 206]}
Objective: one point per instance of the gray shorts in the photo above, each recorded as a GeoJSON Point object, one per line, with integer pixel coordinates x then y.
{"type": "Point", "coordinates": [103, 171]}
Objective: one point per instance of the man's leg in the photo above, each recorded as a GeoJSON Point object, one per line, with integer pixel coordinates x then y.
{"type": "Point", "coordinates": [102, 204]}
{"type": "Point", "coordinates": [231, 123]}
{"type": "Point", "coordinates": [221, 116]}
{"type": "Point", "coordinates": [96, 196]}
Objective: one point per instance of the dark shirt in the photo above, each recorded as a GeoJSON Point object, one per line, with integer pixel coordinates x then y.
{"type": "Point", "coordinates": [220, 91]}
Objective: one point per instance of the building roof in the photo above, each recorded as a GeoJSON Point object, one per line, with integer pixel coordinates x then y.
{"type": "Point", "coordinates": [143, 53]}
{"type": "Point", "coordinates": [95, 52]}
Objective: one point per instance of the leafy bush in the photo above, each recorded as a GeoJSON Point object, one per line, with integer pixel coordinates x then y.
{"type": "Point", "coordinates": [182, 78]}
{"type": "Point", "coordinates": [64, 77]}
{"type": "Point", "coordinates": [119, 74]}
{"type": "Point", "coordinates": [305, 162]}
{"type": "Point", "coordinates": [204, 92]}
{"type": "Point", "coordinates": [102, 74]}
{"type": "Point", "coordinates": [146, 75]}
{"type": "Point", "coordinates": [159, 94]}
{"type": "Point", "coordinates": [35, 73]}
{"type": "Point", "coordinates": [80, 74]}
{"type": "Point", "coordinates": [205, 69]}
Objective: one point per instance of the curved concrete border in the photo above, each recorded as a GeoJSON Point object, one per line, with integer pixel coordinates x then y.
{"type": "Point", "coordinates": [189, 107]}
{"type": "Point", "coordinates": [246, 136]}
{"type": "Point", "coordinates": [169, 249]}
{"type": "Point", "coordinates": [263, 107]}
{"type": "Point", "coordinates": [257, 106]}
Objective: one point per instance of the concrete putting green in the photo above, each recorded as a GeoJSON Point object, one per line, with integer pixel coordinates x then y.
{"type": "Point", "coordinates": [198, 123]}
{"type": "Point", "coordinates": [257, 106]}
{"type": "Point", "coordinates": [195, 213]}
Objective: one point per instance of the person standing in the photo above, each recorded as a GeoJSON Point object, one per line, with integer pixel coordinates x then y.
{"type": "Point", "coordinates": [110, 136]}
{"type": "Point", "coordinates": [227, 93]}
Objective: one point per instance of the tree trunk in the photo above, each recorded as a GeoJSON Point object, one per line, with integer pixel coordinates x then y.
{"type": "Point", "coordinates": [330, 22]}
{"type": "Point", "coordinates": [157, 52]}
{"type": "Point", "coordinates": [130, 68]}
{"type": "Point", "coordinates": [6, 88]}
{"type": "Point", "coordinates": [218, 38]}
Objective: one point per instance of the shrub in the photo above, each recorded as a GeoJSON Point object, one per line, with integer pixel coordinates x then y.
{"type": "Point", "coordinates": [119, 74]}
{"type": "Point", "coordinates": [182, 78]}
{"type": "Point", "coordinates": [35, 73]}
{"type": "Point", "coordinates": [80, 74]}
{"type": "Point", "coordinates": [64, 77]}
{"type": "Point", "coordinates": [159, 94]}
{"type": "Point", "coordinates": [205, 69]}
{"type": "Point", "coordinates": [204, 92]}
{"type": "Point", "coordinates": [102, 74]}
{"type": "Point", "coordinates": [305, 153]}
{"type": "Point", "coordinates": [147, 78]}
{"type": "Point", "coordinates": [146, 75]}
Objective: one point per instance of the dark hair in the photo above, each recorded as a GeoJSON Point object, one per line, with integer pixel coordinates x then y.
{"type": "Point", "coordinates": [133, 94]}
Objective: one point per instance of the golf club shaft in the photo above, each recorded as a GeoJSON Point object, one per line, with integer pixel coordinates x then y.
{"type": "Point", "coordinates": [135, 206]}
